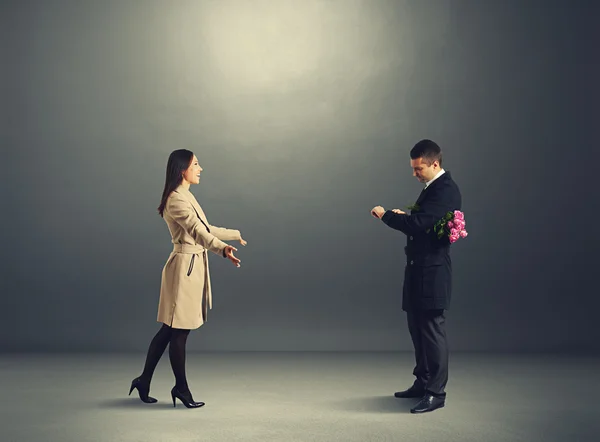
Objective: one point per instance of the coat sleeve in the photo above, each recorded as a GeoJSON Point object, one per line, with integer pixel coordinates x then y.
{"type": "Point", "coordinates": [225, 234]}
{"type": "Point", "coordinates": [424, 219]}
{"type": "Point", "coordinates": [183, 213]}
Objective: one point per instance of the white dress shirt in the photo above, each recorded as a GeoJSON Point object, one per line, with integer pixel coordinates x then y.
{"type": "Point", "coordinates": [437, 175]}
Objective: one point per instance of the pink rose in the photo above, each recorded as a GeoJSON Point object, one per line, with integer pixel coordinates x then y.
{"type": "Point", "coordinates": [450, 224]}
{"type": "Point", "coordinates": [459, 224]}
{"type": "Point", "coordinates": [458, 215]}
{"type": "Point", "coordinates": [454, 232]}
{"type": "Point", "coordinates": [453, 238]}
{"type": "Point", "coordinates": [463, 233]}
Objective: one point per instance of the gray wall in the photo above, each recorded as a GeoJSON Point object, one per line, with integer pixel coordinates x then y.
{"type": "Point", "coordinates": [302, 114]}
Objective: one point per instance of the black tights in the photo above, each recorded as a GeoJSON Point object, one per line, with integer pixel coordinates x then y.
{"type": "Point", "coordinates": [176, 338]}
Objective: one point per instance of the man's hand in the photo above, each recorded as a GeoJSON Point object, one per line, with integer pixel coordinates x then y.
{"type": "Point", "coordinates": [377, 211]}
{"type": "Point", "coordinates": [398, 211]}
{"type": "Point", "coordinates": [242, 242]}
{"type": "Point", "coordinates": [229, 254]}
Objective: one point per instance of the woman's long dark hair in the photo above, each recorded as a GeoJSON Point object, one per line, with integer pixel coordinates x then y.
{"type": "Point", "coordinates": [179, 161]}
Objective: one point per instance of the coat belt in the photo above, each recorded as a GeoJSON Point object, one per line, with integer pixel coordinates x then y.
{"type": "Point", "coordinates": [188, 248]}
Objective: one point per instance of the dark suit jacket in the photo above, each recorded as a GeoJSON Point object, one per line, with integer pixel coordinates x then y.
{"type": "Point", "coordinates": [428, 272]}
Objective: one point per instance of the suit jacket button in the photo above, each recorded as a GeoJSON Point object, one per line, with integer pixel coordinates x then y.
{"type": "Point", "coordinates": [411, 237]}
{"type": "Point", "coordinates": [412, 262]}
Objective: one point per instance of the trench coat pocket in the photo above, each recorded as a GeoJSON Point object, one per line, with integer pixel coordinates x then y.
{"type": "Point", "coordinates": [189, 272]}
{"type": "Point", "coordinates": [435, 280]}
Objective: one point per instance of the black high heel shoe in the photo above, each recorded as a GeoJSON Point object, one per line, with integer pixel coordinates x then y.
{"type": "Point", "coordinates": [186, 398]}
{"type": "Point", "coordinates": [143, 390]}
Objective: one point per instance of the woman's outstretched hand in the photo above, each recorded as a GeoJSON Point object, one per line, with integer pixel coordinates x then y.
{"type": "Point", "coordinates": [229, 254]}
{"type": "Point", "coordinates": [242, 242]}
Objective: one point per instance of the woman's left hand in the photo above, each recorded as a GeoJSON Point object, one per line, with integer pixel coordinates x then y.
{"type": "Point", "coordinates": [242, 242]}
{"type": "Point", "coordinates": [229, 254]}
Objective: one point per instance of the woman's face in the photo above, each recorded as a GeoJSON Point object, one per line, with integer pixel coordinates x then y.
{"type": "Point", "coordinates": [192, 173]}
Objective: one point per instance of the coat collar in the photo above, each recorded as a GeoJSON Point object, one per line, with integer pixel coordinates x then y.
{"type": "Point", "coordinates": [445, 176]}
{"type": "Point", "coordinates": [192, 199]}
{"type": "Point", "coordinates": [437, 175]}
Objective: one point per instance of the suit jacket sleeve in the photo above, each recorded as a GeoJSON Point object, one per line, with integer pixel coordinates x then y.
{"type": "Point", "coordinates": [225, 234]}
{"type": "Point", "coordinates": [184, 214]}
{"type": "Point", "coordinates": [431, 212]}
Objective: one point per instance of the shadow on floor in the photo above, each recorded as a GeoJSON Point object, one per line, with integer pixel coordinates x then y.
{"type": "Point", "coordinates": [376, 404]}
{"type": "Point", "coordinates": [134, 402]}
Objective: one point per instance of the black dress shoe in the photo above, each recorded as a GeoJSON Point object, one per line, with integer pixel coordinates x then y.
{"type": "Point", "coordinates": [143, 389]}
{"type": "Point", "coordinates": [428, 403]}
{"type": "Point", "coordinates": [410, 393]}
{"type": "Point", "coordinates": [185, 398]}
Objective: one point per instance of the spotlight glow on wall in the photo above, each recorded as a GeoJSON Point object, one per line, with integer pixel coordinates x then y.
{"type": "Point", "coordinates": [264, 44]}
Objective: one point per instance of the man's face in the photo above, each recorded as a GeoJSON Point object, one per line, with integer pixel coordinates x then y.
{"type": "Point", "coordinates": [422, 171]}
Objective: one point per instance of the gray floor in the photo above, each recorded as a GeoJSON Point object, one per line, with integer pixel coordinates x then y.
{"type": "Point", "coordinates": [299, 397]}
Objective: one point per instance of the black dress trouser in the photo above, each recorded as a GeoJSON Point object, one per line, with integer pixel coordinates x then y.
{"type": "Point", "coordinates": [428, 333]}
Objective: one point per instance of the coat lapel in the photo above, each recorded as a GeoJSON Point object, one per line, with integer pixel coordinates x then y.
{"type": "Point", "coordinates": [426, 191]}
{"type": "Point", "coordinates": [190, 197]}
{"type": "Point", "coordinates": [421, 196]}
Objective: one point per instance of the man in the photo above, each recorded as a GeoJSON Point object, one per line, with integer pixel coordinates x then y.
{"type": "Point", "coordinates": [428, 274]}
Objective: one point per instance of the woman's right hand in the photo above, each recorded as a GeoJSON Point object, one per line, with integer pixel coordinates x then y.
{"type": "Point", "coordinates": [229, 254]}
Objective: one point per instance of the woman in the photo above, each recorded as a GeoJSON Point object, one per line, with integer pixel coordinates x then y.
{"type": "Point", "coordinates": [185, 292]}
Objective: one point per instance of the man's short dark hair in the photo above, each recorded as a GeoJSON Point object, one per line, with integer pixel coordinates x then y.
{"type": "Point", "coordinates": [428, 150]}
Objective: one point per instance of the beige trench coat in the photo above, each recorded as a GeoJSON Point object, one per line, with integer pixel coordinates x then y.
{"type": "Point", "coordinates": [185, 290]}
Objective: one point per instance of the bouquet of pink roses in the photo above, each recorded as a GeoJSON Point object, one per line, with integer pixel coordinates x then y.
{"type": "Point", "coordinates": [453, 224]}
